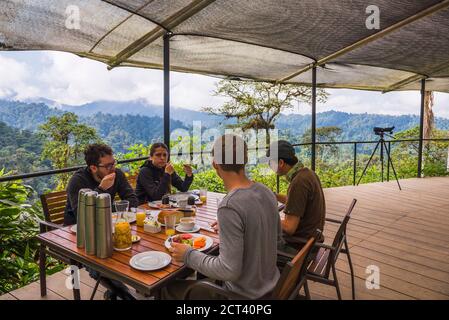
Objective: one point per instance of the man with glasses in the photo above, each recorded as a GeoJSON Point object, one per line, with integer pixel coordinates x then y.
{"type": "Point", "coordinates": [99, 175]}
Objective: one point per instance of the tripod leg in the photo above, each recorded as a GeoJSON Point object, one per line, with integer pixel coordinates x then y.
{"type": "Point", "coordinates": [366, 167]}
{"type": "Point", "coordinates": [392, 167]}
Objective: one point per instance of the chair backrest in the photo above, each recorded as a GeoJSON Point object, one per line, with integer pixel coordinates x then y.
{"type": "Point", "coordinates": [340, 236]}
{"type": "Point", "coordinates": [53, 205]}
{"type": "Point", "coordinates": [294, 271]}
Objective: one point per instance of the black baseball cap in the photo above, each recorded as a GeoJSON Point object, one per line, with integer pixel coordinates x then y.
{"type": "Point", "coordinates": [279, 149]}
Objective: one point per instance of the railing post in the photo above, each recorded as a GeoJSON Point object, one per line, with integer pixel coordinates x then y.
{"type": "Point", "coordinates": [313, 118]}
{"type": "Point", "coordinates": [388, 162]}
{"type": "Point", "coordinates": [355, 164]}
{"type": "Point", "coordinates": [421, 127]}
{"type": "Point", "coordinates": [167, 89]}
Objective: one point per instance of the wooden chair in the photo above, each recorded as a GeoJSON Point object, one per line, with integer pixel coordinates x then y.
{"type": "Point", "coordinates": [290, 282]}
{"type": "Point", "coordinates": [53, 205]}
{"type": "Point", "coordinates": [326, 258]}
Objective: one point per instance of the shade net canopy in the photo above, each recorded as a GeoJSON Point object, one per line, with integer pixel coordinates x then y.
{"type": "Point", "coordinates": [266, 40]}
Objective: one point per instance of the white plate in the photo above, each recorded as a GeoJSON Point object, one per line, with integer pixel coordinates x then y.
{"type": "Point", "coordinates": [150, 260]}
{"type": "Point", "coordinates": [209, 241]}
{"type": "Point", "coordinates": [196, 228]}
{"type": "Point", "coordinates": [125, 249]}
{"type": "Point", "coordinates": [73, 228]}
{"type": "Point", "coordinates": [157, 205]}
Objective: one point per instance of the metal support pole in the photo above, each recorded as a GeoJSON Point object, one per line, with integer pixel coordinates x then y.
{"type": "Point", "coordinates": [313, 118]}
{"type": "Point", "coordinates": [167, 89]}
{"type": "Point", "coordinates": [421, 128]}
{"type": "Point", "coordinates": [355, 164]}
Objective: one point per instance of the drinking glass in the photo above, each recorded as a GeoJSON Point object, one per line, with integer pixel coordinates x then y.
{"type": "Point", "coordinates": [121, 206]}
{"type": "Point", "coordinates": [141, 215]}
{"type": "Point", "coordinates": [170, 222]}
{"type": "Point", "coordinates": [203, 195]}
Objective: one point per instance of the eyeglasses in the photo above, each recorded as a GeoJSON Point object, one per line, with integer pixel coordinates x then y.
{"type": "Point", "coordinates": [108, 166]}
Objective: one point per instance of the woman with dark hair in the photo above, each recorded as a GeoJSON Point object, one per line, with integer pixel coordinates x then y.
{"type": "Point", "coordinates": [157, 175]}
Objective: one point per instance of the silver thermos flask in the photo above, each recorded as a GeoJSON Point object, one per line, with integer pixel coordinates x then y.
{"type": "Point", "coordinates": [80, 218]}
{"type": "Point", "coordinates": [103, 226]}
{"type": "Point", "coordinates": [91, 200]}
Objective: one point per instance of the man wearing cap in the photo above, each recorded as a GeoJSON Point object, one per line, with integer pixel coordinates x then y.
{"type": "Point", "coordinates": [305, 206]}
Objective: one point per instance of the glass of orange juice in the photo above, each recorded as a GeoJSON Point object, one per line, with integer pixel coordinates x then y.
{"type": "Point", "coordinates": [170, 222]}
{"type": "Point", "coordinates": [140, 216]}
{"type": "Point", "coordinates": [203, 195]}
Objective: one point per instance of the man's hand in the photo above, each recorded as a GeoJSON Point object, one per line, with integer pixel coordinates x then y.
{"type": "Point", "coordinates": [107, 182]}
{"type": "Point", "coordinates": [281, 197]}
{"type": "Point", "coordinates": [214, 225]}
{"type": "Point", "coordinates": [178, 251]}
{"type": "Point", "coordinates": [188, 170]}
{"type": "Point", "coordinates": [169, 168]}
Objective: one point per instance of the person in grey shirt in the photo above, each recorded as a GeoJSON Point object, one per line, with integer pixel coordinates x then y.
{"type": "Point", "coordinates": [249, 230]}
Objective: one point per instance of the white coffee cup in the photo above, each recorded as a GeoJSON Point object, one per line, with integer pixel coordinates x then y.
{"type": "Point", "coordinates": [187, 223]}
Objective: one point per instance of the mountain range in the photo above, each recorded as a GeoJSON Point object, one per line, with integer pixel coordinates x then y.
{"type": "Point", "coordinates": [124, 123]}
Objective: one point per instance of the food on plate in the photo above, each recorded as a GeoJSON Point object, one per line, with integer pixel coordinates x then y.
{"type": "Point", "coordinates": [199, 242]}
{"type": "Point", "coordinates": [195, 243]}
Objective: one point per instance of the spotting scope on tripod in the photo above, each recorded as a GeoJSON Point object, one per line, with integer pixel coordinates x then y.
{"type": "Point", "coordinates": [381, 132]}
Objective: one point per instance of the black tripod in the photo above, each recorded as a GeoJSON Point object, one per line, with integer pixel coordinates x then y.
{"type": "Point", "coordinates": [383, 145]}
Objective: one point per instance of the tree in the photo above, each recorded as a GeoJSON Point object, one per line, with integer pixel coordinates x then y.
{"type": "Point", "coordinates": [257, 105]}
{"type": "Point", "coordinates": [65, 141]}
{"type": "Point", "coordinates": [324, 134]}
{"type": "Point", "coordinates": [429, 119]}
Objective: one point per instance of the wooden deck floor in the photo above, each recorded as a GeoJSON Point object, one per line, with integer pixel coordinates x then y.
{"type": "Point", "coordinates": [404, 233]}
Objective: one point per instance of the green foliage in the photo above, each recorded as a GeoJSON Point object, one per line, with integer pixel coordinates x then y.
{"type": "Point", "coordinates": [208, 179]}
{"type": "Point", "coordinates": [65, 140]}
{"type": "Point", "coordinates": [435, 153]}
{"type": "Point", "coordinates": [257, 105]}
{"type": "Point", "coordinates": [20, 153]}
{"type": "Point", "coordinates": [18, 228]}
{"type": "Point", "coordinates": [134, 151]}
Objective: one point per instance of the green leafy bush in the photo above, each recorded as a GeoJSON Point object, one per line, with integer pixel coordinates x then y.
{"type": "Point", "coordinates": [18, 246]}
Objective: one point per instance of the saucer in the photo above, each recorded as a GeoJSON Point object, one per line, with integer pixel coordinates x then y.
{"type": "Point", "coordinates": [196, 228]}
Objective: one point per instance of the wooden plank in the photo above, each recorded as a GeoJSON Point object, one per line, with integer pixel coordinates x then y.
{"type": "Point", "coordinates": [7, 296]}
{"type": "Point", "coordinates": [392, 283]}
{"type": "Point", "coordinates": [399, 262]}
{"type": "Point", "coordinates": [57, 283]}
{"type": "Point", "coordinates": [396, 272]}
{"type": "Point", "coordinates": [33, 292]}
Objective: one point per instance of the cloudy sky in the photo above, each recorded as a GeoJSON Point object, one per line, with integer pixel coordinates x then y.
{"type": "Point", "coordinates": [68, 79]}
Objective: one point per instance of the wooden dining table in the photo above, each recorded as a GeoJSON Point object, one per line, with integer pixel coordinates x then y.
{"type": "Point", "coordinates": [117, 267]}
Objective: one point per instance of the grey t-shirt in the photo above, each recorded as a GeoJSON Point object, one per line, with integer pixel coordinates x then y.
{"type": "Point", "coordinates": [249, 230]}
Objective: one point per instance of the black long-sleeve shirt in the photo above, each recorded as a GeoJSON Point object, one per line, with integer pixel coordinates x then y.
{"type": "Point", "coordinates": [83, 179]}
{"type": "Point", "coordinates": [153, 182]}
